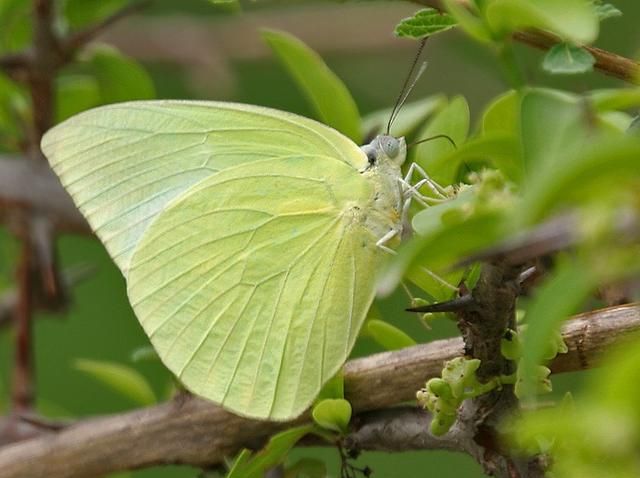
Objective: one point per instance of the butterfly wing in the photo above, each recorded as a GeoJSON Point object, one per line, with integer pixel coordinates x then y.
{"type": "Point", "coordinates": [254, 284]}
{"type": "Point", "coordinates": [124, 163]}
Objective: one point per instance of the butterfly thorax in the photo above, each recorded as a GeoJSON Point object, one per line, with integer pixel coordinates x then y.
{"type": "Point", "coordinates": [385, 155]}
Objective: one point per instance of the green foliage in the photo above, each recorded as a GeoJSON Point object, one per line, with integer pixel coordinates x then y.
{"type": "Point", "coordinates": [434, 156]}
{"type": "Point", "coordinates": [254, 465]}
{"type": "Point", "coordinates": [324, 90]}
{"type": "Point", "coordinates": [120, 378]}
{"type": "Point", "coordinates": [424, 23]}
{"type": "Point", "coordinates": [597, 435]}
{"type": "Point", "coordinates": [387, 335]}
{"type": "Point", "coordinates": [414, 114]}
{"type": "Point", "coordinates": [442, 396]}
{"type": "Point", "coordinates": [565, 58]}
{"type": "Point", "coordinates": [333, 414]}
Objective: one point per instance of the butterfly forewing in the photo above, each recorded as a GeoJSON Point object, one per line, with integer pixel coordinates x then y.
{"type": "Point", "coordinates": [124, 163]}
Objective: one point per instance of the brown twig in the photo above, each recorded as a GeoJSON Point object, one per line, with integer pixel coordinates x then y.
{"type": "Point", "coordinates": [22, 390]}
{"type": "Point", "coordinates": [607, 62]}
{"type": "Point", "coordinates": [192, 431]}
{"type": "Point", "coordinates": [70, 277]}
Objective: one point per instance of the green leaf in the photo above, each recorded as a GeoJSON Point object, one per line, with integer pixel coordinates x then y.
{"type": "Point", "coordinates": [119, 78]}
{"type": "Point", "coordinates": [608, 166]}
{"type": "Point", "coordinates": [75, 93]}
{"type": "Point", "coordinates": [502, 114]}
{"type": "Point", "coordinates": [615, 98]}
{"type": "Point", "coordinates": [79, 13]}
{"type": "Point", "coordinates": [551, 124]}
{"type": "Point", "coordinates": [411, 116]}
{"type": "Point", "coordinates": [425, 23]}
{"type": "Point", "coordinates": [572, 20]}
{"type": "Point", "coordinates": [433, 156]}
{"type": "Point", "coordinates": [270, 456]}
{"type": "Point", "coordinates": [330, 98]}
{"type": "Point", "coordinates": [241, 461]}
{"type": "Point", "coordinates": [388, 336]}
{"type": "Point", "coordinates": [120, 378]}
{"type": "Point", "coordinates": [501, 150]}
{"type": "Point", "coordinates": [561, 294]}
{"type": "Point", "coordinates": [568, 59]}
{"type": "Point", "coordinates": [144, 354]}
{"type": "Point", "coordinates": [606, 10]}
{"type": "Point", "coordinates": [431, 219]}
{"type": "Point", "coordinates": [333, 414]}
{"type": "Point", "coordinates": [442, 248]}
{"type": "Point", "coordinates": [468, 21]}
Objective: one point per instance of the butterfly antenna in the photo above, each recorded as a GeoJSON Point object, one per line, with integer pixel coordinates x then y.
{"type": "Point", "coordinates": [406, 88]}
{"type": "Point", "coordinates": [431, 138]}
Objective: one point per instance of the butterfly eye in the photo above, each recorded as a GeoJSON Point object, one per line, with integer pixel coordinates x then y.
{"type": "Point", "coordinates": [390, 146]}
{"type": "Point", "coordinates": [370, 152]}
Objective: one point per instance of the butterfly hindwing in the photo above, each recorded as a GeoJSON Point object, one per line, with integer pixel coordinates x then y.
{"type": "Point", "coordinates": [254, 284]}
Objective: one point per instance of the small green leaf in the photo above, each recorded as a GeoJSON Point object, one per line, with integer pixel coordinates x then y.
{"type": "Point", "coordinates": [274, 453]}
{"type": "Point", "coordinates": [615, 98]}
{"type": "Point", "coordinates": [425, 23]}
{"type": "Point", "coordinates": [606, 10]}
{"type": "Point", "coordinates": [560, 296]}
{"type": "Point", "coordinates": [124, 380]}
{"type": "Point", "coordinates": [388, 336]}
{"type": "Point", "coordinates": [568, 59]}
{"type": "Point", "coordinates": [333, 414]}
{"type": "Point", "coordinates": [501, 115]}
{"type": "Point", "coordinates": [144, 354]}
{"type": "Point", "coordinates": [330, 98]}
{"type": "Point", "coordinates": [431, 219]}
{"type": "Point", "coordinates": [468, 20]}
{"type": "Point", "coordinates": [501, 150]}
{"type": "Point", "coordinates": [433, 156]}
{"type": "Point", "coordinates": [551, 123]}
{"type": "Point", "coordinates": [119, 78]}
{"type": "Point", "coordinates": [241, 461]}
{"type": "Point", "coordinates": [411, 116]}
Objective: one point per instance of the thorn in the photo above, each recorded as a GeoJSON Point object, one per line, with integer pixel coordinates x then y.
{"type": "Point", "coordinates": [454, 305]}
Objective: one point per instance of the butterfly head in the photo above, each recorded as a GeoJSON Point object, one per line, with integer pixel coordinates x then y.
{"type": "Point", "coordinates": [385, 149]}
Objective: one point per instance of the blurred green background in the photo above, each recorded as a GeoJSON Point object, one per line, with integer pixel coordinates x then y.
{"type": "Point", "coordinates": [195, 50]}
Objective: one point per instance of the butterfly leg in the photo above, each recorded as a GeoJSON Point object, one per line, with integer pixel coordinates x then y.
{"type": "Point", "coordinates": [381, 243]}
{"type": "Point", "coordinates": [438, 190]}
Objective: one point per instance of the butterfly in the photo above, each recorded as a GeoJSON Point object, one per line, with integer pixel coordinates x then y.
{"type": "Point", "coordinates": [249, 238]}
